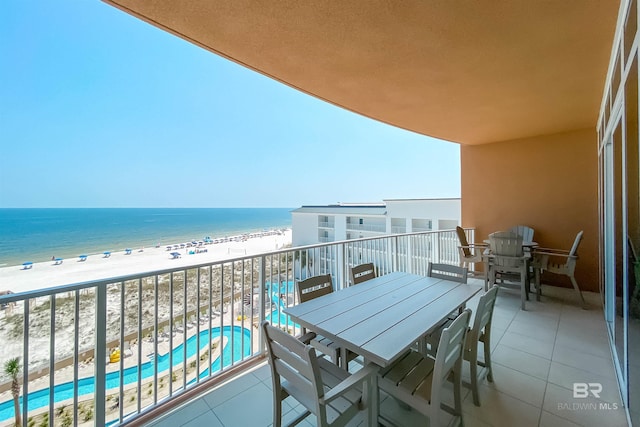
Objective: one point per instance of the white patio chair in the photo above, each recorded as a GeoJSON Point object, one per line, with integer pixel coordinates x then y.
{"type": "Point", "coordinates": [558, 261]}
{"type": "Point", "coordinates": [417, 381]}
{"type": "Point", "coordinates": [333, 395]}
{"type": "Point", "coordinates": [362, 273]}
{"type": "Point", "coordinates": [447, 272]}
{"type": "Point", "coordinates": [479, 332]}
{"type": "Point", "coordinates": [311, 288]}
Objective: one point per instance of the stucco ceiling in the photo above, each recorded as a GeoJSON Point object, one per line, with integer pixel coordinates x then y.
{"type": "Point", "coordinates": [469, 71]}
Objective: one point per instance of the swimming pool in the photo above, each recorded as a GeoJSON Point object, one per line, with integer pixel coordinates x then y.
{"type": "Point", "coordinates": [277, 317]}
{"type": "Point", "coordinates": [239, 335]}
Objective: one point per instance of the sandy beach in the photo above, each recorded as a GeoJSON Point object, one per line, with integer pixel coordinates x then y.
{"type": "Point", "coordinates": [71, 270]}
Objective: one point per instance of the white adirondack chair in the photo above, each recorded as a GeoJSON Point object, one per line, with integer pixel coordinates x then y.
{"type": "Point", "coordinates": [507, 257]}
{"type": "Point", "coordinates": [558, 261]}
{"type": "Point", "coordinates": [469, 253]}
{"type": "Point", "coordinates": [525, 231]}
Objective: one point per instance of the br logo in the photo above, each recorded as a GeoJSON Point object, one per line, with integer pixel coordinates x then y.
{"type": "Point", "coordinates": [582, 390]}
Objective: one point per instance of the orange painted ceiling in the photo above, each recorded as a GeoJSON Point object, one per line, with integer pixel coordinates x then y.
{"type": "Point", "coordinates": [468, 71]}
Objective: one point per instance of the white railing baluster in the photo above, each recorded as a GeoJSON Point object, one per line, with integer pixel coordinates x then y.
{"type": "Point", "coordinates": [122, 351]}
{"type": "Point", "coordinates": [99, 398]}
{"type": "Point", "coordinates": [140, 338]}
{"type": "Point", "coordinates": [76, 352]}
{"type": "Point", "coordinates": [184, 329]}
{"type": "Point", "coordinates": [171, 333]}
{"type": "Point", "coordinates": [25, 362]}
{"type": "Point", "coordinates": [52, 353]}
{"type": "Point", "coordinates": [198, 324]}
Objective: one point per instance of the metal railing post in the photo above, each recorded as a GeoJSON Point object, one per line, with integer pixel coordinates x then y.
{"type": "Point", "coordinates": [99, 398]}
{"type": "Point", "coordinates": [261, 302]}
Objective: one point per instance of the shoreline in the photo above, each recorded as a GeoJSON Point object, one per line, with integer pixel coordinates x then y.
{"type": "Point", "coordinates": [48, 274]}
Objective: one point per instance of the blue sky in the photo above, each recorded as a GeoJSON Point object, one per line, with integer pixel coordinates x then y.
{"type": "Point", "coordinates": [99, 109]}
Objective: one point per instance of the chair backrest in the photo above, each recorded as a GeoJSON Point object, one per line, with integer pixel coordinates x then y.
{"type": "Point", "coordinates": [525, 231]}
{"type": "Point", "coordinates": [462, 237]}
{"type": "Point", "coordinates": [447, 272]}
{"type": "Point", "coordinates": [362, 273]}
{"type": "Point", "coordinates": [505, 243]}
{"type": "Point", "coordinates": [483, 314]}
{"type": "Point", "coordinates": [450, 349]}
{"type": "Point", "coordinates": [295, 362]}
{"type": "Point", "coordinates": [576, 243]}
{"type": "Point", "coordinates": [314, 287]}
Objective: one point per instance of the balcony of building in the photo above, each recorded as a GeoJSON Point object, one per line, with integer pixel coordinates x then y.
{"type": "Point", "coordinates": [118, 356]}
{"type": "Point", "coordinates": [538, 356]}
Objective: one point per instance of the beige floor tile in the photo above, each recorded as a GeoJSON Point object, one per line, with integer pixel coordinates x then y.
{"type": "Point", "coordinates": [548, 419]}
{"type": "Point", "coordinates": [521, 361]}
{"type": "Point", "coordinates": [544, 331]}
{"type": "Point", "coordinates": [499, 409]}
{"type": "Point", "coordinates": [581, 360]}
{"type": "Point", "coordinates": [516, 384]}
{"type": "Point", "coordinates": [527, 344]}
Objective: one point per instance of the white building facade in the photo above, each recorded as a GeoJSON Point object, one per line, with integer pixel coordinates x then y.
{"type": "Point", "coordinates": [345, 221]}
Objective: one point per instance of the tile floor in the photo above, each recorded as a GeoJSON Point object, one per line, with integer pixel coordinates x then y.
{"type": "Point", "coordinates": [538, 355]}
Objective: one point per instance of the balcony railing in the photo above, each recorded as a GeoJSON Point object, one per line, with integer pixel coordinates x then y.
{"type": "Point", "coordinates": [326, 224]}
{"type": "Point", "coordinates": [114, 349]}
{"type": "Point", "coordinates": [378, 228]}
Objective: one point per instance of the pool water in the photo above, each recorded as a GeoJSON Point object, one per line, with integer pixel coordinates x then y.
{"type": "Point", "coordinates": [241, 348]}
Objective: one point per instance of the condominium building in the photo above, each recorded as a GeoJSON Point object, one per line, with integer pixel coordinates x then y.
{"type": "Point", "coordinates": [345, 221]}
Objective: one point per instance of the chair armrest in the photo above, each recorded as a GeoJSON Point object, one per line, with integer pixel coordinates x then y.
{"type": "Point", "coordinates": [474, 245]}
{"type": "Point", "coordinates": [306, 338]}
{"type": "Point", "coordinates": [350, 382]}
{"type": "Point", "coordinates": [554, 254]}
{"type": "Point", "coordinates": [550, 250]}
{"type": "Point", "coordinates": [493, 256]}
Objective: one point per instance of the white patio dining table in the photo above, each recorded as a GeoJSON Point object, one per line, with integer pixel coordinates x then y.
{"type": "Point", "coordinates": [383, 317]}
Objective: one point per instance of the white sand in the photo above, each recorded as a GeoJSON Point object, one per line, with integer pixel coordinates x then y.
{"type": "Point", "coordinates": [96, 267]}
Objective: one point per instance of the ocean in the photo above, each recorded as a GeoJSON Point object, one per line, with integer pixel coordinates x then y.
{"type": "Point", "coordinates": [36, 235]}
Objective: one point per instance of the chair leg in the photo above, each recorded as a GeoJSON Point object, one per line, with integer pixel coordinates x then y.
{"type": "Point", "coordinates": [523, 289]}
{"type": "Point", "coordinates": [473, 371]}
{"type": "Point", "coordinates": [457, 393]}
{"type": "Point", "coordinates": [277, 410]}
{"type": "Point", "coordinates": [537, 280]}
{"type": "Point", "coordinates": [487, 358]}
{"type": "Point", "coordinates": [575, 286]}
